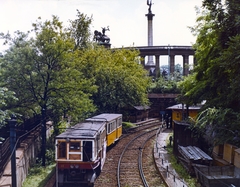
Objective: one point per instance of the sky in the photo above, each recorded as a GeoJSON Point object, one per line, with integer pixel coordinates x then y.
{"type": "Point", "coordinates": [126, 18]}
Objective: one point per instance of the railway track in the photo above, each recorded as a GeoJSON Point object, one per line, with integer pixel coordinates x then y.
{"type": "Point", "coordinates": [150, 170]}
{"type": "Point", "coordinates": [130, 171]}
{"type": "Point", "coordinates": [108, 176]}
{"type": "Point", "coordinates": [129, 176]}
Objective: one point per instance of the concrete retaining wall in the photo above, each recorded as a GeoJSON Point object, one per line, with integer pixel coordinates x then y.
{"type": "Point", "coordinates": [25, 157]}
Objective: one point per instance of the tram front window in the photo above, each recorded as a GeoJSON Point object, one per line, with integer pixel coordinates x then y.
{"type": "Point", "coordinates": [61, 149]}
{"type": "Point", "coordinates": [74, 146]}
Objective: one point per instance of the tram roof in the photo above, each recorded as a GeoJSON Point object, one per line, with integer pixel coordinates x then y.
{"type": "Point", "coordinates": [180, 107]}
{"type": "Point", "coordinates": [87, 129]}
{"type": "Point", "coordinates": [105, 117]}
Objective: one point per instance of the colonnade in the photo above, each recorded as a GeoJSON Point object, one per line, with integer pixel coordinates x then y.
{"type": "Point", "coordinates": [171, 52]}
{"type": "Point", "coordinates": [172, 63]}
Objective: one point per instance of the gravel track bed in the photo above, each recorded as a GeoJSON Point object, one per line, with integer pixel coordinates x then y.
{"type": "Point", "coordinates": [108, 176]}
{"type": "Point", "coordinates": [149, 168]}
{"type": "Point", "coordinates": [129, 172]}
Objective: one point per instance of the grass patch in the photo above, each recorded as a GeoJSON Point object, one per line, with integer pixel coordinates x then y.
{"type": "Point", "coordinates": [127, 125]}
{"type": "Point", "coordinates": [192, 182]}
{"type": "Point", "coordinates": [38, 176]}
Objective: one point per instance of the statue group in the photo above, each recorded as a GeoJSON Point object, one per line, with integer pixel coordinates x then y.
{"type": "Point", "coordinates": [100, 37]}
{"type": "Point", "coordinates": [149, 3]}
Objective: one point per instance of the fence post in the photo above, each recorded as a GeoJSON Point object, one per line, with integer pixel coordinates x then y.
{"type": "Point", "coordinates": [1, 164]}
{"type": "Point", "coordinates": [12, 123]}
{"type": "Point", "coordinates": [1, 150]}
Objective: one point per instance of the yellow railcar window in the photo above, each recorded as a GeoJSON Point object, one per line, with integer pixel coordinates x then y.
{"type": "Point", "coordinates": [111, 127]}
{"type": "Point", "coordinates": [119, 122]}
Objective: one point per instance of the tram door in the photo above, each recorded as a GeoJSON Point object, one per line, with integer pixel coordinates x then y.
{"type": "Point", "coordinates": [87, 150]}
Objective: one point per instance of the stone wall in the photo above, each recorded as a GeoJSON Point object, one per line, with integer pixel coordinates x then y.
{"type": "Point", "coordinates": [25, 157]}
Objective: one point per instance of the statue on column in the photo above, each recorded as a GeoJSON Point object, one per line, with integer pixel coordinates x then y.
{"type": "Point", "coordinates": [101, 37]}
{"type": "Point", "coordinates": [149, 3]}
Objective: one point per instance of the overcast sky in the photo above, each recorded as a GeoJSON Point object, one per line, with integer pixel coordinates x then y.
{"type": "Point", "coordinates": [125, 18]}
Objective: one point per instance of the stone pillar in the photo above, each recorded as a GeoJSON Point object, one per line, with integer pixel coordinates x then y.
{"type": "Point", "coordinates": [157, 67]}
{"type": "Point", "coordinates": [185, 65]}
{"type": "Point", "coordinates": [150, 35]}
{"type": "Point", "coordinates": [172, 63]}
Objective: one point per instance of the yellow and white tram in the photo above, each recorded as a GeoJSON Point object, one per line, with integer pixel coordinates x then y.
{"type": "Point", "coordinates": [81, 149]}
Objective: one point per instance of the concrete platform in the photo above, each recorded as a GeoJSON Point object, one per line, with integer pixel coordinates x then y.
{"type": "Point", "coordinates": [162, 160]}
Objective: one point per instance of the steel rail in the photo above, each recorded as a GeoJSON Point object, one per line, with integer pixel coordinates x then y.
{"type": "Point", "coordinates": [140, 162]}
{"type": "Point", "coordinates": [124, 150]}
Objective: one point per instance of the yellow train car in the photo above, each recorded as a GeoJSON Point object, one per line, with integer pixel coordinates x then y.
{"type": "Point", "coordinates": [113, 126]}
{"type": "Point", "coordinates": [119, 128]}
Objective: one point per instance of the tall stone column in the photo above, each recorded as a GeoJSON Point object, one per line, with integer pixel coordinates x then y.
{"type": "Point", "coordinates": [157, 66]}
{"type": "Point", "coordinates": [185, 65]}
{"type": "Point", "coordinates": [150, 28]}
{"type": "Point", "coordinates": [150, 35]}
{"type": "Point", "coordinates": [172, 63]}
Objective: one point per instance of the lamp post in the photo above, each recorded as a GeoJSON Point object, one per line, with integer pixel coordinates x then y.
{"type": "Point", "coordinates": [43, 151]}
{"type": "Point", "coordinates": [12, 124]}
{"type": "Point", "coordinates": [169, 60]}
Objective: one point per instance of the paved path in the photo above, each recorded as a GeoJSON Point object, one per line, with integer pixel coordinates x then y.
{"type": "Point", "coordinates": [162, 160]}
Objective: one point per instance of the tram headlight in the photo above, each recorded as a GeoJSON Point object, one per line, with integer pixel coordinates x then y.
{"type": "Point", "coordinates": [71, 166]}
{"type": "Point", "coordinates": [76, 166]}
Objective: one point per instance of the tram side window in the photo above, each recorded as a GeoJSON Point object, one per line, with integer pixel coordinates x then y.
{"type": "Point", "coordinates": [97, 144]}
{"type": "Point", "coordinates": [119, 122]}
{"type": "Point", "coordinates": [108, 129]}
{"type": "Point", "coordinates": [114, 125]}
{"type": "Point", "coordinates": [61, 149]}
{"type": "Point", "coordinates": [102, 137]}
{"type": "Point", "coordinates": [111, 127]}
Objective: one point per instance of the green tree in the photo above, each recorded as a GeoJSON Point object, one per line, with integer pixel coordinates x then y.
{"type": "Point", "coordinates": [161, 85]}
{"type": "Point", "coordinates": [215, 79]}
{"type": "Point", "coordinates": [46, 74]}
{"type": "Point", "coordinates": [166, 84]}
{"type": "Point", "coordinates": [80, 30]}
{"type": "Point", "coordinates": [120, 79]}
{"type": "Point", "coordinates": [187, 90]}
{"type": "Point", "coordinates": [5, 113]}
{"type": "Point", "coordinates": [216, 32]}
{"type": "Point", "coordinates": [218, 126]}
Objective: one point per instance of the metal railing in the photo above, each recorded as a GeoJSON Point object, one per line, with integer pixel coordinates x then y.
{"type": "Point", "coordinates": [22, 131]}
{"type": "Point", "coordinates": [4, 154]}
